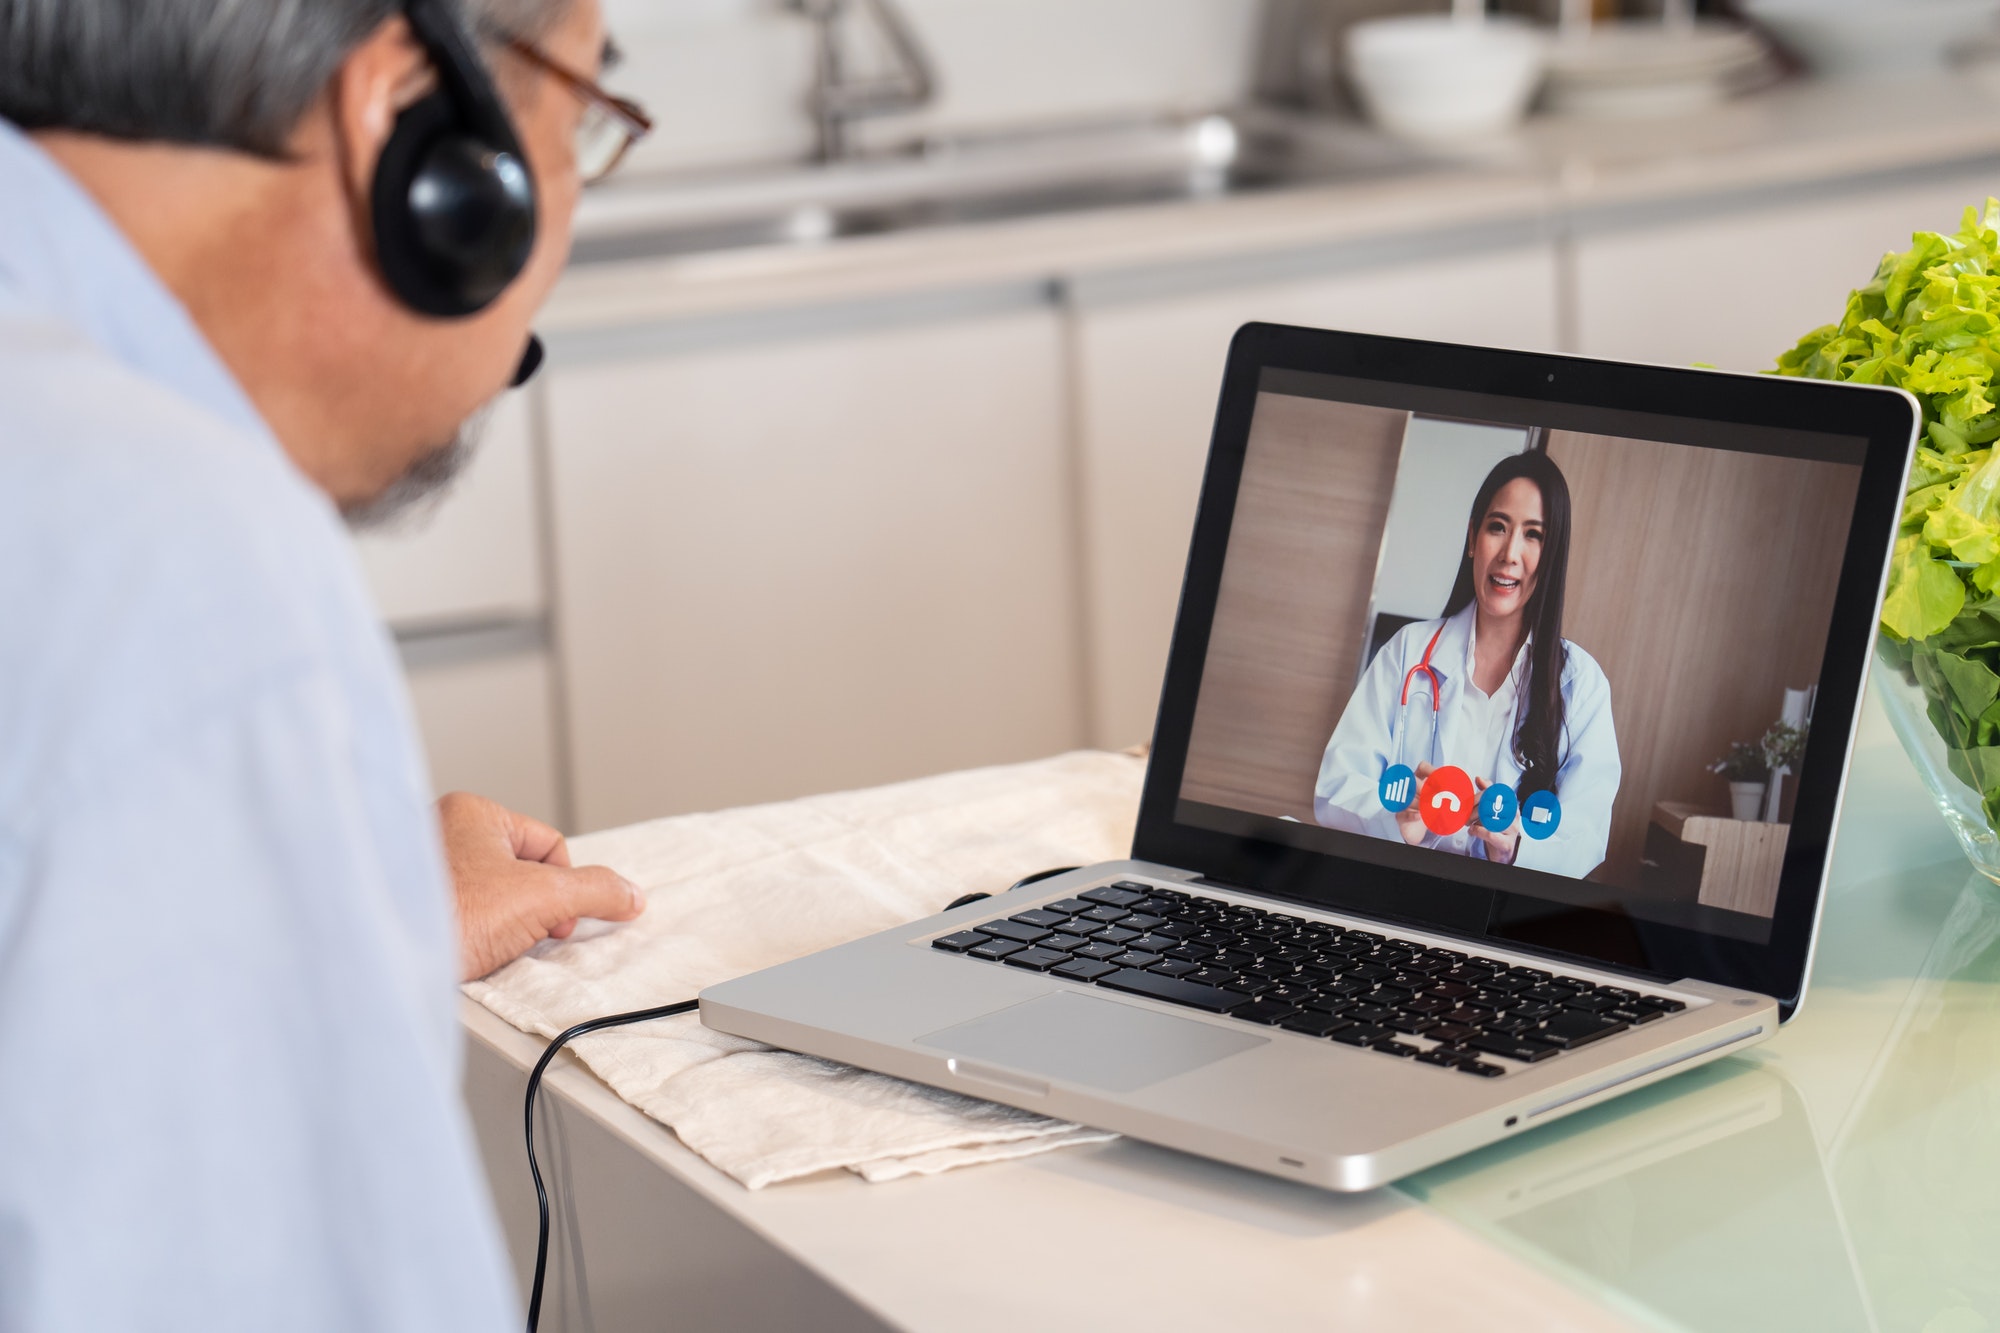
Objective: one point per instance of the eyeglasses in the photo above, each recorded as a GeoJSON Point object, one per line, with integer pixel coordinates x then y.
{"type": "Point", "coordinates": [610, 124]}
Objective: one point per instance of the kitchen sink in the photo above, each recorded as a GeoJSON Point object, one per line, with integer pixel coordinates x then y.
{"type": "Point", "coordinates": [979, 179]}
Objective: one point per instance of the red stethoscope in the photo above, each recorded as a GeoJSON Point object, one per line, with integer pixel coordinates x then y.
{"type": "Point", "coordinates": [1422, 668]}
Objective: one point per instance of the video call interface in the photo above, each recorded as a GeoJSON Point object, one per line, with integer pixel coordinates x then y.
{"type": "Point", "coordinates": [1520, 652]}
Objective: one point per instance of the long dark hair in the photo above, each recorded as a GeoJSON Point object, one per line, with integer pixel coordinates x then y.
{"type": "Point", "coordinates": [1538, 738]}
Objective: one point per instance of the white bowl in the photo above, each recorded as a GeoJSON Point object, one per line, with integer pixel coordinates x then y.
{"type": "Point", "coordinates": [1434, 79]}
{"type": "Point", "coordinates": [1861, 38]}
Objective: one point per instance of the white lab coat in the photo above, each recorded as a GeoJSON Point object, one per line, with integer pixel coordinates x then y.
{"type": "Point", "coordinates": [1371, 735]}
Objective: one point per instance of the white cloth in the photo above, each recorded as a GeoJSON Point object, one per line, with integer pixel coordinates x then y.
{"type": "Point", "coordinates": [229, 1044]}
{"type": "Point", "coordinates": [733, 892]}
{"type": "Point", "coordinates": [1377, 729]}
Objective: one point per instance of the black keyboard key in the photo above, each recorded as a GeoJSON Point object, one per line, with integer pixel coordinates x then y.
{"type": "Point", "coordinates": [1472, 1018]}
{"type": "Point", "coordinates": [1116, 895]}
{"type": "Point", "coordinates": [1264, 1011]}
{"type": "Point", "coordinates": [1036, 960]}
{"type": "Point", "coordinates": [1429, 1004]}
{"type": "Point", "coordinates": [1040, 916]}
{"type": "Point", "coordinates": [1151, 943]}
{"type": "Point", "coordinates": [1525, 1049]}
{"type": "Point", "coordinates": [960, 942]}
{"type": "Point", "coordinates": [1247, 984]}
{"type": "Point", "coordinates": [1510, 1025]}
{"type": "Point", "coordinates": [1314, 1024]}
{"type": "Point", "coordinates": [1063, 942]}
{"type": "Point", "coordinates": [1173, 990]}
{"type": "Point", "coordinates": [1136, 958]}
{"type": "Point", "coordinates": [1572, 1028]}
{"type": "Point", "coordinates": [1172, 967]}
{"type": "Point", "coordinates": [1328, 1004]}
{"type": "Point", "coordinates": [1068, 906]}
{"type": "Point", "coordinates": [1637, 1014]}
{"type": "Point", "coordinates": [1531, 1010]}
{"type": "Point", "coordinates": [1449, 990]}
{"type": "Point", "coordinates": [1370, 1013]}
{"type": "Point", "coordinates": [1105, 914]}
{"type": "Point", "coordinates": [1402, 1048]}
{"type": "Point", "coordinates": [1193, 953]}
{"type": "Point", "coordinates": [1452, 1032]}
{"type": "Point", "coordinates": [1481, 1068]}
{"type": "Point", "coordinates": [1413, 1025]}
{"type": "Point", "coordinates": [1549, 993]}
{"type": "Point", "coordinates": [1507, 984]}
{"type": "Point", "coordinates": [1014, 930]}
{"type": "Point", "coordinates": [1212, 976]}
{"type": "Point", "coordinates": [1115, 935]}
{"type": "Point", "coordinates": [1661, 1003]}
{"type": "Point", "coordinates": [1082, 969]}
{"type": "Point", "coordinates": [1372, 972]}
{"type": "Point", "coordinates": [1533, 974]}
{"type": "Point", "coordinates": [1362, 1034]}
{"type": "Point", "coordinates": [1443, 1059]}
{"type": "Point", "coordinates": [1141, 921]}
{"type": "Point", "coordinates": [1590, 1003]}
{"type": "Point", "coordinates": [1098, 949]}
{"type": "Point", "coordinates": [995, 949]}
{"type": "Point", "coordinates": [1465, 974]}
{"type": "Point", "coordinates": [1180, 930]}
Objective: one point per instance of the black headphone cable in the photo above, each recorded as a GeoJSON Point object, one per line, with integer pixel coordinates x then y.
{"type": "Point", "coordinates": [534, 1086]}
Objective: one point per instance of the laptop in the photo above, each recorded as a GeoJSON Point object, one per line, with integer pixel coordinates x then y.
{"type": "Point", "coordinates": [1495, 774]}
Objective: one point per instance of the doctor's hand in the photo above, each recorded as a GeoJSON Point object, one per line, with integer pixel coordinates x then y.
{"type": "Point", "coordinates": [1409, 821]}
{"type": "Point", "coordinates": [514, 885]}
{"type": "Point", "coordinates": [1500, 847]}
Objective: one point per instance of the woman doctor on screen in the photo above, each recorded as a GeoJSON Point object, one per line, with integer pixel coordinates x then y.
{"type": "Point", "coordinates": [1491, 688]}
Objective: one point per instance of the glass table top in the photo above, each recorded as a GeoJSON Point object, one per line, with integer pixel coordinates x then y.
{"type": "Point", "coordinates": [1844, 1175]}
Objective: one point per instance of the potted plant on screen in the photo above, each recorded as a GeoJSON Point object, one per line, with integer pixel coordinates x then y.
{"type": "Point", "coordinates": [1930, 323]}
{"type": "Point", "coordinates": [1745, 770]}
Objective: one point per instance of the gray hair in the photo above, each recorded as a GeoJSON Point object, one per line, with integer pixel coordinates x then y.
{"type": "Point", "coordinates": [225, 73]}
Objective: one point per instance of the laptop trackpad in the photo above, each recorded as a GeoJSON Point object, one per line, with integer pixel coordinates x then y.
{"type": "Point", "coordinates": [1097, 1043]}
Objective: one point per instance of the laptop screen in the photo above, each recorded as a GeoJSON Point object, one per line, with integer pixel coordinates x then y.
{"type": "Point", "coordinates": [1570, 654]}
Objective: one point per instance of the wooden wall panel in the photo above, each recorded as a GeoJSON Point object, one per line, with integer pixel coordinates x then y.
{"type": "Point", "coordinates": [1293, 602]}
{"type": "Point", "coordinates": [1703, 584]}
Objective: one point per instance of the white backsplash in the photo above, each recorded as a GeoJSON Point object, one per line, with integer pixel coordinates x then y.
{"type": "Point", "coordinates": [726, 79]}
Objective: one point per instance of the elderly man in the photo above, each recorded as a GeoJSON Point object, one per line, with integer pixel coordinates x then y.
{"type": "Point", "coordinates": [259, 260]}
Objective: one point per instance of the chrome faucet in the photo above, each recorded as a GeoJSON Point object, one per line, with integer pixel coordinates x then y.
{"type": "Point", "coordinates": [838, 98]}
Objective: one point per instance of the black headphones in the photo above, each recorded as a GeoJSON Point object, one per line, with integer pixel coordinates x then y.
{"type": "Point", "coordinates": [453, 203]}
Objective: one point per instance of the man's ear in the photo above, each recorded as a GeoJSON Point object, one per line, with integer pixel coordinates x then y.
{"type": "Point", "coordinates": [380, 79]}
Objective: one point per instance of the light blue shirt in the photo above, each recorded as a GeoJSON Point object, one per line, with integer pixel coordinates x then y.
{"type": "Point", "coordinates": [1380, 726]}
{"type": "Point", "coordinates": [229, 1058]}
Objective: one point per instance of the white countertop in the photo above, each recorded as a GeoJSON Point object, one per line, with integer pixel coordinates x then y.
{"type": "Point", "coordinates": [1120, 1235]}
{"type": "Point", "coordinates": [1793, 137]}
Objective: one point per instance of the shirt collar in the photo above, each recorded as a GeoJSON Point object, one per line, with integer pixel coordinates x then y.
{"type": "Point", "coordinates": [1470, 616]}
{"type": "Point", "coordinates": [62, 256]}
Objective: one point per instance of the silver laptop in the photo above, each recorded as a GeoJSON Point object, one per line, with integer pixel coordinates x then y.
{"type": "Point", "coordinates": [1495, 774]}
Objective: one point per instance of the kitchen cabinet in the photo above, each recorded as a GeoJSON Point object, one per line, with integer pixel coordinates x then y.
{"type": "Point", "coordinates": [792, 564]}
{"type": "Point", "coordinates": [459, 581]}
{"type": "Point", "coordinates": [486, 715]}
{"type": "Point", "coordinates": [1148, 374]}
{"type": "Point", "coordinates": [473, 556]}
{"type": "Point", "coordinates": [1736, 288]}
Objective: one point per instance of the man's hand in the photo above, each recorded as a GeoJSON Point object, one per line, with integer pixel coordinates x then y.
{"type": "Point", "coordinates": [514, 884]}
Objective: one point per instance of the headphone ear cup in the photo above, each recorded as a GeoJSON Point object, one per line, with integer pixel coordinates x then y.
{"type": "Point", "coordinates": [454, 217]}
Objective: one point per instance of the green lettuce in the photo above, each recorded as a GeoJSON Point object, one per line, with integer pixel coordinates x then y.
{"type": "Point", "coordinates": [1930, 323]}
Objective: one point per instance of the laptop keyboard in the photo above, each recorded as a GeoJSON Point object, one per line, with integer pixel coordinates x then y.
{"type": "Point", "coordinates": [1459, 1011]}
